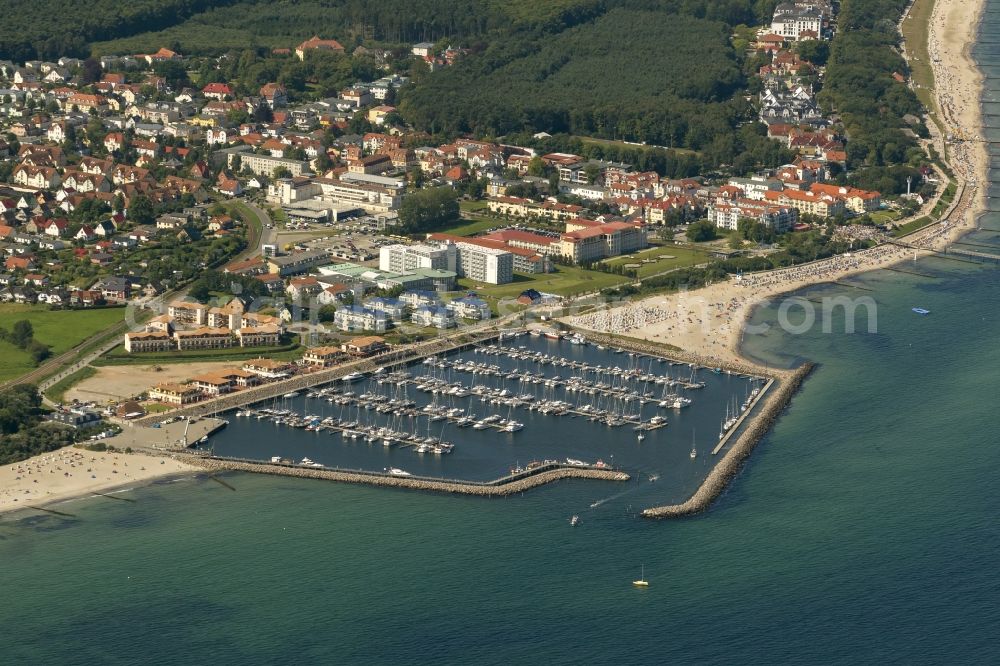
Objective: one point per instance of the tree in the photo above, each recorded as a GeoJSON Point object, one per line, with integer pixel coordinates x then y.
{"type": "Point", "coordinates": [281, 172]}
{"type": "Point", "coordinates": [325, 313]}
{"type": "Point", "coordinates": [22, 333]}
{"type": "Point", "coordinates": [426, 210]}
{"type": "Point", "coordinates": [118, 205]}
{"type": "Point", "coordinates": [141, 211]}
{"type": "Point", "coordinates": [359, 124]}
{"type": "Point", "coordinates": [536, 167]}
{"type": "Point", "coordinates": [91, 71]}
{"type": "Point", "coordinates": [701, 231]}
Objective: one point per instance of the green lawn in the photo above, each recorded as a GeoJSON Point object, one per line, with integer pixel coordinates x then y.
{"type": "Point", "coordinates": [566, 281]}
{"type": "Point", "coordinates": [473, 206]}
{"type": "Point", "coordinates": [884, 216]}
{"type": "Point", "coordinates": [915, 31]}
{"type": "Point", "coordinates": [60, 329]}
{"type": "Point", "coordinates": [471, 227]}
{"type": "Point", "coordinates": [910, 227]}
{"type": "Point", "coordinates": [667, 258]}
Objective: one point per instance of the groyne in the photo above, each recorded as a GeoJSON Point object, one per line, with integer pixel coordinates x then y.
{"type": "Point", "coordinates": [731, 463]}
{"type": "Point", "coordinates": [498, 488]}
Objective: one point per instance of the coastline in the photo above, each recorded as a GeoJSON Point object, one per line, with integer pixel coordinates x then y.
{"type": "Point", "coordinates": [706, 326]}
{"type": "Point", "coordinates": [71, 472]}
{"type": "Point", "coordinates": [712, 321]}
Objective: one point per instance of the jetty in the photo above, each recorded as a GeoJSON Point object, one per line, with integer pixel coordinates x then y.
{"type": "Point", "coordinates": [508, 485]}
{"type": "Point", "coordinates": [730, 464]}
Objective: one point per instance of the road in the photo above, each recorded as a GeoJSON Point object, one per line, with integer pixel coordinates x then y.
{"type": "Point", "coordinates": [256, 241]}
{"type": "Point", "coordinates": [36, 376]}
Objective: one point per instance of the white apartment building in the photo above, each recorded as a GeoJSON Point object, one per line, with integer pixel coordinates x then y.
{"type": "Point", "coordinates": [485, 264]}
{"type": "Point", "coordinates": [402, 258]}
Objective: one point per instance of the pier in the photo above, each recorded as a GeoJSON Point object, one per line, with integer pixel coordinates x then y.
{"type": "Point", "coordinates": [508, 485]}
{"type": "Point", "coordinates": [732, 462]}
{"type": "Point", "coordinates": [742, 418]}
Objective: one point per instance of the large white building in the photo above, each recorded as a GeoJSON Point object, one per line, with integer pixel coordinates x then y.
{"type": "Point", "coordinates": [401, 258]}
{"type": "Point", "coordinates": [485, 264]}
{"type": "Point", "coordinates": [482, 264]}
{"type": "Point", "coordinates": [791, 21]}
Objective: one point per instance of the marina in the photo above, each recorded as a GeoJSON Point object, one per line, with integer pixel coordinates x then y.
{"type": "Point", "coordinates": [504, 406]}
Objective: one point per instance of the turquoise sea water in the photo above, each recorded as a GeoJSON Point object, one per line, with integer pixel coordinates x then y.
{"type": "Point", "coordinates": [863, 530]}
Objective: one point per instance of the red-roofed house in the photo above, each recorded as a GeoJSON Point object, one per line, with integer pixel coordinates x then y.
{"type": "Point", "coordinates": [219, 91]}
{"type": "Point", "coordinates": [317, 44]}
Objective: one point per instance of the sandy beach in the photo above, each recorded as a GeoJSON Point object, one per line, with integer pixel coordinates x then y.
{"type": "Point", "coordinates": [73, 472]}
{"type": "Point", "coordinates": [710, 321]}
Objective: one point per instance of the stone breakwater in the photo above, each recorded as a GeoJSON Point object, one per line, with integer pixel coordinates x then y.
{"type": "Point", "coordinates": [732, 462]}
{"type": "Point", "coordinates": [498, 488]}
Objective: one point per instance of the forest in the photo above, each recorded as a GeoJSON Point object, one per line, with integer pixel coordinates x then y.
{"type": "Point", "coordinates": [56, 28]}
{"type": "Point", "coordinates": [634, 75]}
{"type": "Point", "coordinates": [859, 85]}
{"type": "Point", "coordinates": [22, 432]}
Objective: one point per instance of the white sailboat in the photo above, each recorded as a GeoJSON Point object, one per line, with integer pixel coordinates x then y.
{"type": "Point", "coordinates": [642, 582]}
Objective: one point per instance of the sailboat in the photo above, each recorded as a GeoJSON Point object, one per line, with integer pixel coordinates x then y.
{"type": "Point", "coordinates": [694, 451]}
{"type": "Point", "coordinates": [642, 582]}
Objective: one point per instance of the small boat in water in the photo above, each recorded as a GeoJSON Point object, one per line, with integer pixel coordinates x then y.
{"type": "Point", "coordinates": [574, 520]}
{"type": "Point", "coordinates": [921, 311]}
{"type": "Point", "coordinates": [642, 582]}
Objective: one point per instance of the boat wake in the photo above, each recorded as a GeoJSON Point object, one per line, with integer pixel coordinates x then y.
{"type": "Point", "coordinates": [613, 497]}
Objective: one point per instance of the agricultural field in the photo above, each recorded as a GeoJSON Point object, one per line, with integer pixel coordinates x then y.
{"type": "Point", "coordinates": [60, 329]}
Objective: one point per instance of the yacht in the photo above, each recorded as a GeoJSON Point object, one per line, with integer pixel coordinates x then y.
{"type": "Point", "coordinates": [353, 377]}
{"type": "Point", "coordinates": [395, 471]}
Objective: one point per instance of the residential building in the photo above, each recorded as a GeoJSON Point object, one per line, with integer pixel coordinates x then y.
{"type": "Point", "coordinates": [484, 264]}
{"type": "Point", "coordinates": [205, 337]}
{"type": "Point", "coordinates": [175, 394]}
{"type": "Point", "coordinates": [187, 313]}
{"type": "Point", "coordinates": [266, 335]}
{"type": "Point", "coordinates": [588, 240]}
{"type": "Point", "coordinates": [265, 165]}
{"type": "Point", "coordinates": [352, 318]}
{"type": "Point", "coordinates": [268, 368]}
{"type": "Point", "coordinates": [400, 258]}
{"type": "Point", "coordinates": [149, 341]}
{"type": "Point", "coordinates": [322, 356]}
{"type": "Point", "coordinates": [470, 307]}
{"type": "Point", "coordinates": [365, 346]}
{"type": "Point", "coordinates": [393, 308]}
{"type": "Point", "coordinates": [438, 317]}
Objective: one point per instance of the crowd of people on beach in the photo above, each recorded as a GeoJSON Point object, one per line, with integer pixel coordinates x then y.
{"type": "Point", "coordinates": [42, 471]}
